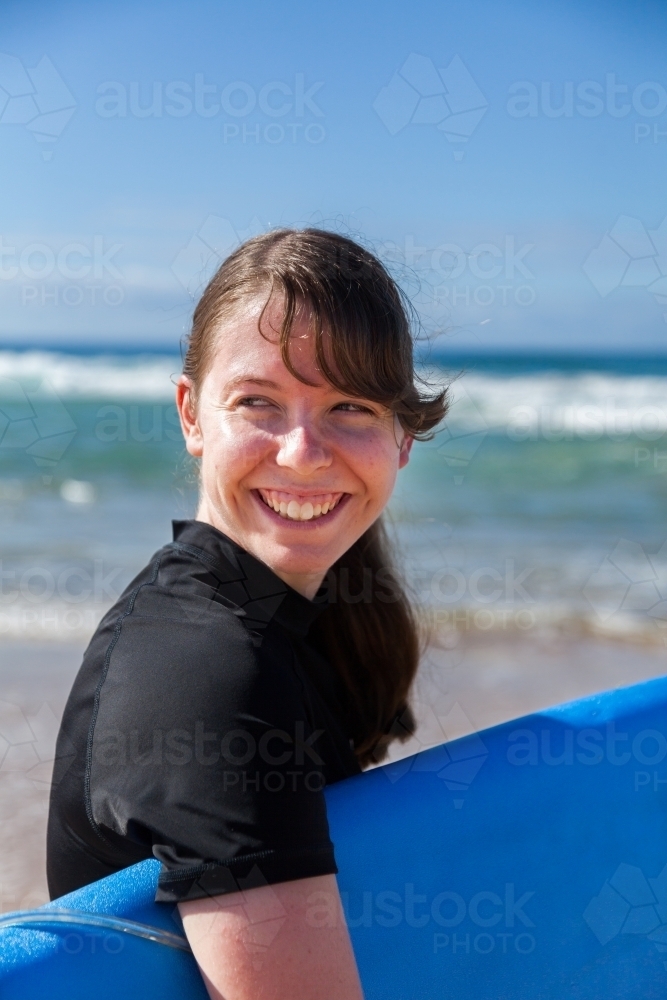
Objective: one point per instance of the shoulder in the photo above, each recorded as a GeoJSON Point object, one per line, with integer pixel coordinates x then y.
{"type": "Point", "coordinates": [177, 639]}
{"type": "Point", "coordinates": [178, 590]}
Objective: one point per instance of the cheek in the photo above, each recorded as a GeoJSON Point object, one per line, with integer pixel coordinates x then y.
{"type": "Point", "coordinates": [233, 447]}
{"type": "Point", "coordinates": [374, 459]}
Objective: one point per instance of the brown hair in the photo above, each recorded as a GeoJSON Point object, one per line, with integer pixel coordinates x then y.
{"type": "Point", "coordinates": [369, 631]}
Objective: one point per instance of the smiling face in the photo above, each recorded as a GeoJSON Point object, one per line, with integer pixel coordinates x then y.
{"type": "Point", "coordinates": [293, 473]}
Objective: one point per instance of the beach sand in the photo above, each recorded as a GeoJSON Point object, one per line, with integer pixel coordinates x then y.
{"type": "Point", "coordinates": [35, 679]}
{"type": "Point", "coordinates": [465, 683]}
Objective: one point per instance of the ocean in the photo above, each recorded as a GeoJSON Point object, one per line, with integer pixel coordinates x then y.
{"type": "Point", "coordinates": [540, 504]}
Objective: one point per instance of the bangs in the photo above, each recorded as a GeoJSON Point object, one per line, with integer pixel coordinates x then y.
{"type": "Point", "coordinates": [359, 317]}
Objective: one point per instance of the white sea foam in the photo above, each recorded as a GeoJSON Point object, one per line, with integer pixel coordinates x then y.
{"type": "Point", "coordinates": [558, 406]}
{"type": "Point", "coordinates": [548, 404]}
{"type": "Point", "coordinates": [141, 377]}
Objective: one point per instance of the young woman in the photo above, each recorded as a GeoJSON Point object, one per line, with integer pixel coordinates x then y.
{"type": "Point", "coordinates": [269, 649]}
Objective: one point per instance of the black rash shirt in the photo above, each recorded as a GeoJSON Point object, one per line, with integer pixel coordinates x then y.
{"type": "Point", "coordinates": [201, 729]}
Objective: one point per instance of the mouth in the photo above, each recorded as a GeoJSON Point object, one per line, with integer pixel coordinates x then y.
{"type": "Point", "coordinates": [296, 507]}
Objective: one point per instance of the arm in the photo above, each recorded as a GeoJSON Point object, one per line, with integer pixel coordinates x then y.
{"type": "Point", "coordinates": [275, 942]}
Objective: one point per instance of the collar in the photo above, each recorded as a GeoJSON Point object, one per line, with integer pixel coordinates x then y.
{"type": "Point", "coordinates": [256, 592]}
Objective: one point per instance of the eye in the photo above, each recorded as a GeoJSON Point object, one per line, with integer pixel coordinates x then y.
{"type": "Point", "coordinates": [254, 402]}
{"type": "Point", "coordinates": [354, 408]}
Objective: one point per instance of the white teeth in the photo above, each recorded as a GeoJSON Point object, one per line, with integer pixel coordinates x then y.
{"type": "Point", "coordinates": [296, 511]}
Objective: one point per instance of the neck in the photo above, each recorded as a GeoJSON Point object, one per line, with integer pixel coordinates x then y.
{"type": "Point", "coordinates": [306, 584]}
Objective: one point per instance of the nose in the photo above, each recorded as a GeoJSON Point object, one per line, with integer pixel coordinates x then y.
{"type": "Point", "coordinates": [303, 450]}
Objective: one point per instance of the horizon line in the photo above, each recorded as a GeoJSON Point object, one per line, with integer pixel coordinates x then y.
{"type": "Point", "coordinates": [439, 350]}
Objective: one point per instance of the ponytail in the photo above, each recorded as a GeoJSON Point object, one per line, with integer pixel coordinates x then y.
{"type": "Point", "coordinates": [370, 635]}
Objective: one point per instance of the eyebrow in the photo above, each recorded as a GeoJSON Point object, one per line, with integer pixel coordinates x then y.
{"type": "Point", "coordinates": [265, 383]}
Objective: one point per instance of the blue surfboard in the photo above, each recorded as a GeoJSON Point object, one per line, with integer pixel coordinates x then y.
{"type": "Point", "coordinates": [525, 861]}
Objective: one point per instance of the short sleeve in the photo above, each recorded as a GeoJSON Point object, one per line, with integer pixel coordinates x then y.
{"type": "Point", "coordinates": [202, 752]}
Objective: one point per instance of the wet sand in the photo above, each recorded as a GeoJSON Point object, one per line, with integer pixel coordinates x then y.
{"type": "Point", "coordinates": [35, 679]}
{"type": "Point", "coordinates": [464, 684]}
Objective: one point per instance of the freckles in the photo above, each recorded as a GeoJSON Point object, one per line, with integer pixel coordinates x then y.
{"type": "Point", "coordinates": [242, 455]}
{"type": "Point", "coordinates": [376, 465]}
{"type": "Point", "coordinates": [238, 447]}
{"type": "Point", "coordinates": [380, 451]}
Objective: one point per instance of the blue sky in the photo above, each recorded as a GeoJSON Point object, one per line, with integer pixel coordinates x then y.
{"type": "Point", "coordinates": [264, 115]}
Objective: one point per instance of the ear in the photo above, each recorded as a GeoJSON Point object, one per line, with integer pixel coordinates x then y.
{"type": "Point", "coordinates": [187, 413]}
{"type": "Point", "coordinates": [404, 454]}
